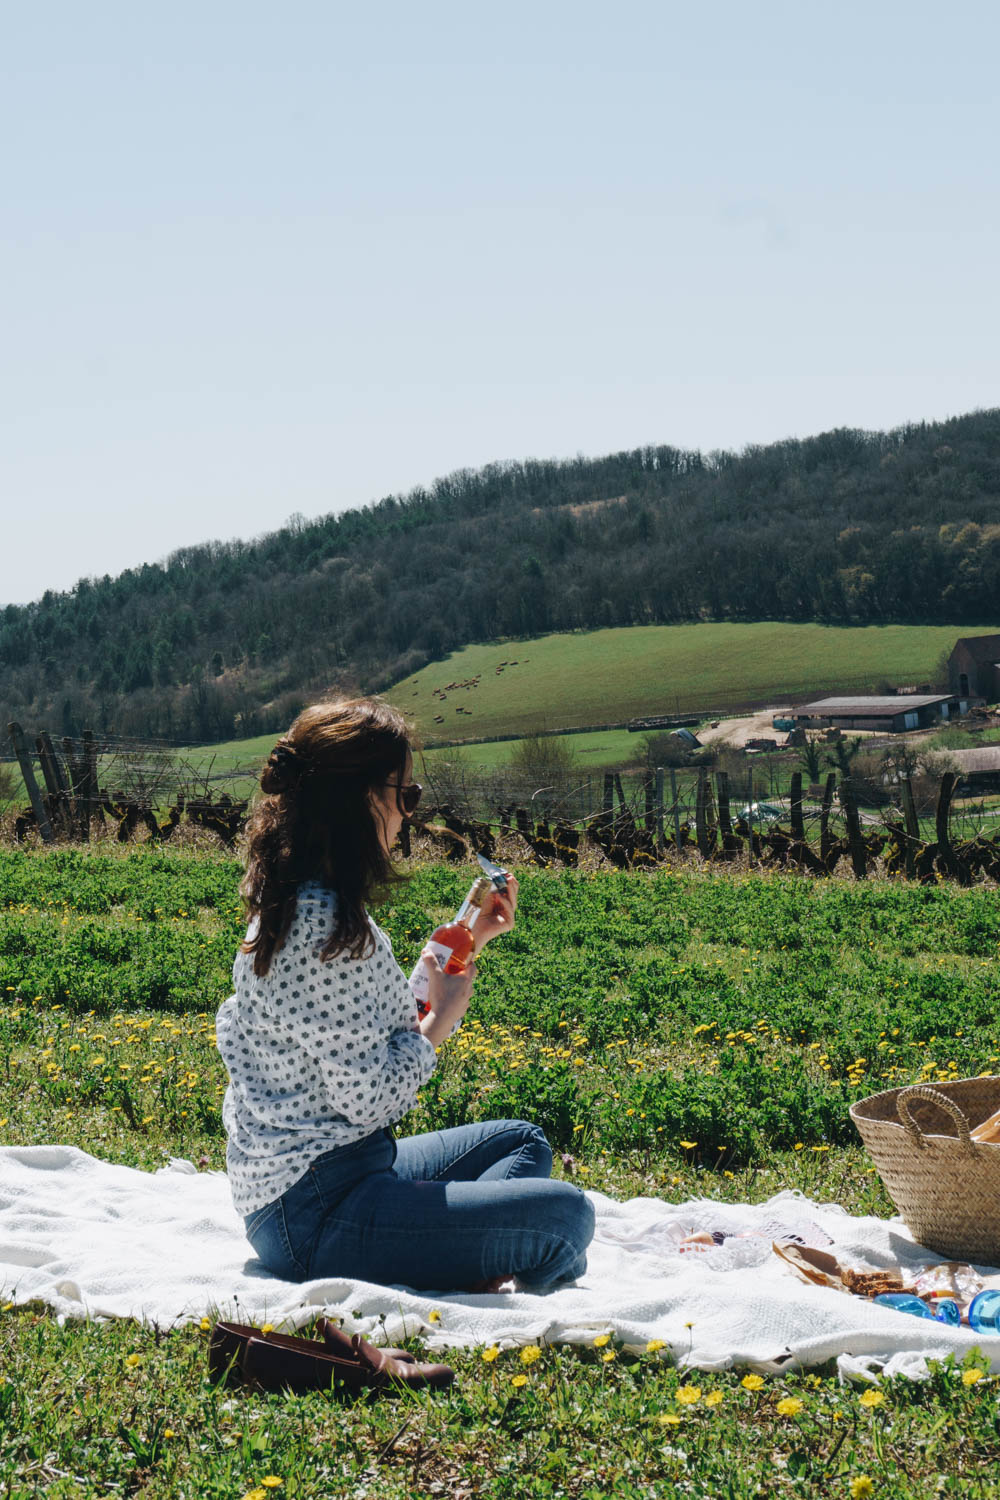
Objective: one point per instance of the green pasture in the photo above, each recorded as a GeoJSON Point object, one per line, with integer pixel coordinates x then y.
{"type": "Point", "coordinates": [610, 676]}
{"type": "Point", "coordinates": [593, 750]}
{"type": "Point", "coordinates": [681, 1033]}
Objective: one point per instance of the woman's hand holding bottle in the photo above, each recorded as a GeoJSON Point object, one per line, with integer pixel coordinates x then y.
{"type": "Point", "coordinates": [448, 998]}
{"type": "Point", "coordinates": [498, 914]}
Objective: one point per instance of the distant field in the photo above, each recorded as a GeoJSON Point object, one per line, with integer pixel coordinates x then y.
{"type": "Point", "coordinates": [607, 676]}
{"type": "Point", "coordinates": [594, 749]}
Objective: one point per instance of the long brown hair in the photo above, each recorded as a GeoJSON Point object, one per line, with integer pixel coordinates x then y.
{"type": "Point", "coordinates": [316, 822]}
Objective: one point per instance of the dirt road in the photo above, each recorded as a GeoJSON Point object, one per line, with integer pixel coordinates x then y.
{"type": "Point", "coordinates": [738, 731]}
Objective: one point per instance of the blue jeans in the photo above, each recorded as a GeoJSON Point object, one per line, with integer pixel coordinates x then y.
{"type": "Point", "coordinates": [442, 1211]}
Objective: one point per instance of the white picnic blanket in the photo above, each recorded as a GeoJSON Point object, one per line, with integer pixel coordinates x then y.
{"type": "Point", "coordinates": [96, 1240]}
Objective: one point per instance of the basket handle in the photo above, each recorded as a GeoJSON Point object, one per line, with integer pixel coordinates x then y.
{"type": "Point", "coordinates": [933, 1096]}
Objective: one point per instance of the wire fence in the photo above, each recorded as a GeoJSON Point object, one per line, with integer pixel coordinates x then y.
{"type": "Point", "coordinates": [79, 788]}
{"type": "Point", "coordinates": [905, 822]}
{"type": "Point", "coordinates": [909, 825]}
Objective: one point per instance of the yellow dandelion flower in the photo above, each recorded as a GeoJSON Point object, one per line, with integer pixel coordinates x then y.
{"type": "Point", "coordinates": [490, 1354]}
{"type": "Point", "coordinates": [132, 1360]}
{"type": "Point", "coordinates": [969, 1377]}
{"type": "Point", "coordinates": [272, 1482]}
{"type": "Point", "coordinates": [752, 1382]}
{"type": "Point", "coordinates": [689, 1145]}
{"type": "Point", "coordinates": [257, 1494]}
{"type": "Point", "coordinates": [204, 1325]}
{"type": "Point", "coordinates": [168, 1432]}
{"type": "Point", "coordinates": [609, 1355]}
{"type": "Point", "coordinates": [518, 1380]}
{"type": "Point", "coordinates": [669, 1419]}
{"type": "Point", "coordinates": [873, 1398]}
{"type": "Point", "coordinates": [434, 1316]}
{"type": "Point", "coordinates": [790, 1406]}
{"type": "Point", "coordinates": [601, 1340]}
{"type": "Point", "coordinates": [267, 1328]}
{"type": "Point", "coordinates": [689, 1395]}
{"type": "Point", "coordinates": [714, 1398]}
{"type": "Point", "coordinates": [530, 1353]}
{"type": "Point", "coordinates": [655, 1345]}
{"type": "Point", "coordinates": [861, 1487]}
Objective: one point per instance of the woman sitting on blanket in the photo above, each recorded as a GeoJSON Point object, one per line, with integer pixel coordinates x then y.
{"type": "Point", "coordinates": [324, 1048]}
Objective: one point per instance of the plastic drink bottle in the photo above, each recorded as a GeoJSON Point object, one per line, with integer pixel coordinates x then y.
{"type": "Point", "coordinates": [947, 1311]}
{"type": "Point", "coordinates": [984, 1312]}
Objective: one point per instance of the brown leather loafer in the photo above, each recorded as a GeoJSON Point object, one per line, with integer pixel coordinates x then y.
{"type": "Point", "coordinates": [274, 1361]}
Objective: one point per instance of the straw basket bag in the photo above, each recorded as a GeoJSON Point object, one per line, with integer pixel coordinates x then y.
{"type": "Point", "coordinates": [945, 1186]}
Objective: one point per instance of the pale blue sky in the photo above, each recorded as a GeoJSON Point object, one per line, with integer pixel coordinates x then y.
{"type": "Point", "coordinates": [262, 259]}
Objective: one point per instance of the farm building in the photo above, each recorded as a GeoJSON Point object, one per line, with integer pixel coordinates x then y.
{"type": "Point", "coordinates": [974, 667]}
{"type": "Point", "coordinates": [892, 713]}
{"type": "Point", "coordinates": [978, 770]}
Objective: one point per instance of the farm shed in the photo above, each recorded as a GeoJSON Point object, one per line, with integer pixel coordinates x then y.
{"type": "Point", "coordinates": [978, 769]}
{"type": "Point", "coordinates": [974, 667]}
{"type": "Point", "coordinates": [890, 714]}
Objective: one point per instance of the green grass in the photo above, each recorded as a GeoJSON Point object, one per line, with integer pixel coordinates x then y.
{"type": "Point", "coordinates": [609, 676]}
{"type": "Point", "coordinates": [962, 739]}
{"type": "Point", "coordinates": [593, 750]}
{"type": "Point", "coordinates": [627, 1014]}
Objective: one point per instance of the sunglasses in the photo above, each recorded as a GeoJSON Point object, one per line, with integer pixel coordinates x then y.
{"type": "Point", "coordinates": [408, 796]}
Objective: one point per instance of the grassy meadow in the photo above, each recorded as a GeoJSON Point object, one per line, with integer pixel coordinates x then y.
{"type": "Point", "coordinates": [595, 750]}
{"type": "Point", "coordinates": [608, 676]}
{"type": "Point", "coordinates": [679, 1033]}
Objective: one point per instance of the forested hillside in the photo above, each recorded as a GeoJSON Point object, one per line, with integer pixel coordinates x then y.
{"type": "Point", "coordinates": [226, 639]}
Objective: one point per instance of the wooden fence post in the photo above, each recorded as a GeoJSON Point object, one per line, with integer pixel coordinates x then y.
{"type": "Point", "coordinates": [650, 817]}
{"type": "Point", "coordinates": [859, 854]}
{"type": "Point", "coordinates": [725, 816]}
{"type": "Point", "coordinates": [912, 825]}
{"type": "Point", "coordinates": [77, 771]}
{"type": "Point", "coordinates": [55, 781]}
{"type": "Point", "coordinates": [824, 816]}
{"type": "Point", "coordinates": [659, 806]}
{"type": "Point", "coordinates": [30, 784]}
{"type": "Point", "coordinates": [798, 826]}
{"type": "Point", "coordinates": [947, 787]}
{"type": "Point", "coordinates": [704, 825]}
{"type": "Point", "coordinates": [93, 783]}
{"type": "Point", "coordinates": [674, 807]}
